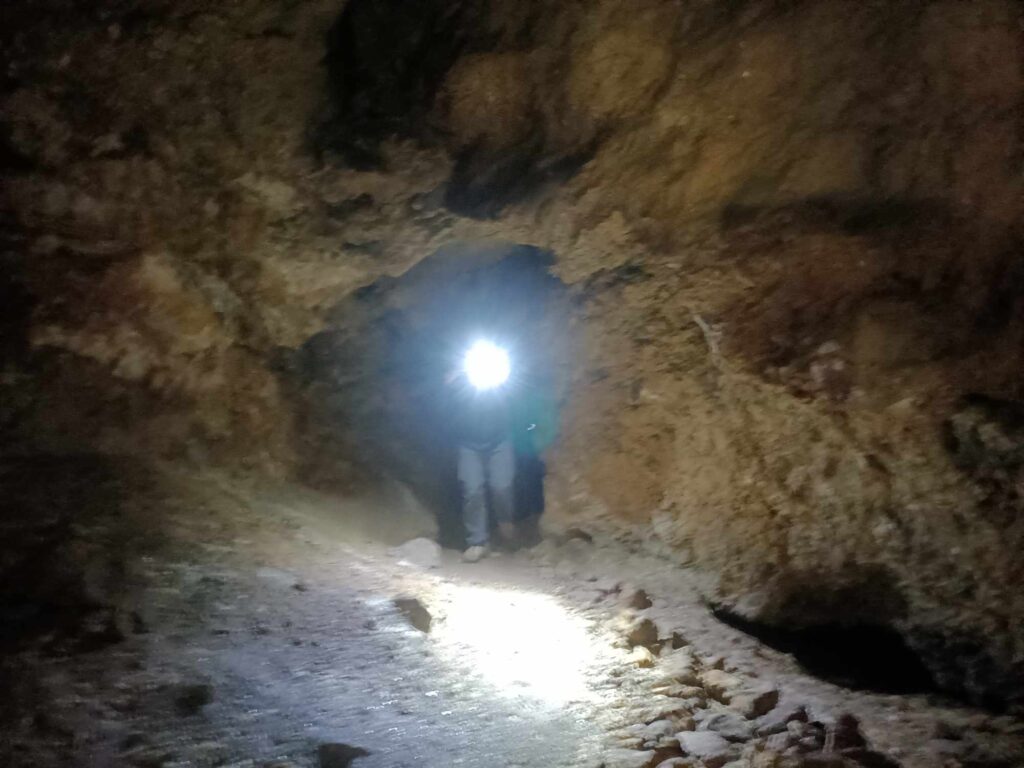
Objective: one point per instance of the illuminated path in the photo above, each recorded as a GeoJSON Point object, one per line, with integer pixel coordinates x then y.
{"type": "Point", "coordinates": [293, 629]}
{"type": "Point", "coordinates": [268, 630]}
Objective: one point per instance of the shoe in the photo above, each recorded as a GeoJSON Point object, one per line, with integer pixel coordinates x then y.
{"type": "Point", "coordinates": [475, 554]}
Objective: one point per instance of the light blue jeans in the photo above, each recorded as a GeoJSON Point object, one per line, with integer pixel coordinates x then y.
{"type": "Point", "coordinates": [480, 471]}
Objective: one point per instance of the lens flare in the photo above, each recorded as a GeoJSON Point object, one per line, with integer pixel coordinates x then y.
{"type": "Point", "coordinates": [487, 365]}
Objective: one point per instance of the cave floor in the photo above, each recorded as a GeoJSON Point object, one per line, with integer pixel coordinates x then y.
{"type": "Point", "coordinates": [257, 628]}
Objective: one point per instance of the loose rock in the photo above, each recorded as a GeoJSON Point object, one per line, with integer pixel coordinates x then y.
{"type": "Point", "coordinates": [845, 734]}
{"type": "Point", "coordinates": [720, 685]}
{"type": "Point", "coordinates": [638, 599]}
{"type": "Point", "coordinates": [189, 699]}
{"type": "Point", "coordinates": [657, 733]}
{"type": "Point", "coordinates": [777, 720]}
{"type": "Point", "coordinates": [713, 750]}
{"type": "Point", "coordinates": [337, 755]}
{"type": "Point", "coordinates": [754, 702]}
{"type": "Point", "coordinates": [642, 632]}
{"type": "Point", "coordinates": [641, 657]}
{"type": "Point", "coordinates": [423, 553]}
{"type": "Point", "coordinates": [729, 725]}
{"type": "Point", "coordinates": [680, 667]}
{"type": "Point", "coordinates": [415, 612]}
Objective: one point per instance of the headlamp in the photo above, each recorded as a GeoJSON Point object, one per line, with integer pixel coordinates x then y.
{"type": "Point", "coordinates": [487, 365]}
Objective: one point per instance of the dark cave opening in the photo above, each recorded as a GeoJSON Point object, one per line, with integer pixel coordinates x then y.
{"type": "Point", "coordinates": [374, 382]}
{"type": "Point", "coordinates": [861, 657]}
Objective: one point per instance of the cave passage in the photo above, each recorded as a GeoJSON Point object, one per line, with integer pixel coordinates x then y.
{"type": "Point", "coordinates": [375, 383]}
{"type": "Point", "coordinates": [756, 266]}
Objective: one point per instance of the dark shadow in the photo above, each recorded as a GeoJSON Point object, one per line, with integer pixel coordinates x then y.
{"type": "Point", "coordinates": [861, 657]}
{"type": "Point", "coordinates": [854, 216]}
{"type": "Point", "coordinates": [484, 182]}
{"type": "Point", "coordinates": [48, 562]}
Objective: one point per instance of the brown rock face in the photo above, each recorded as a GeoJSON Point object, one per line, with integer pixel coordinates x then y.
{"type": "Point", "coordinates": [790, 234]}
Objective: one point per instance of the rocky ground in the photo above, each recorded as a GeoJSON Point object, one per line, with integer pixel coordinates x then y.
{"type": "Point", "coordinates": [269, 626]}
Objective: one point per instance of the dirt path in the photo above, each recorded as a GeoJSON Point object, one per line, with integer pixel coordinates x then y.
{"type": "Point", "coordinates": [264, 629]}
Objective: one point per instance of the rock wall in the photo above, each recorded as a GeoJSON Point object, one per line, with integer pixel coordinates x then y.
{"type": "Point", "coordinates": [770, 395]}
{"type": "Point", "coordinates": [792, 231]}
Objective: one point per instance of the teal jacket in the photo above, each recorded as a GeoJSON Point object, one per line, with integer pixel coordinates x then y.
{"type": "Point", "coordinates": [534, 421]}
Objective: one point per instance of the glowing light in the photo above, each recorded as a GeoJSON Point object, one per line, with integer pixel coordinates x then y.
{"type": "Point", "coordinates": [525, 644]}
{"type": "Point", "coordinates": [487, 365]}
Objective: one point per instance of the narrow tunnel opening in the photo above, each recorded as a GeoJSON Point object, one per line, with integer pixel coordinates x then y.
{"type": "Point", "coordinates": [375, 382]}
{"type": "Point", "coordinates": [861, 657]}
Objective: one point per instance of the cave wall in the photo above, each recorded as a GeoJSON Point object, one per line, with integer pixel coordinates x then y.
{"type": "Point", "coordinates": [791, 229]}
{"type": "Point", "coordinates": [768, 396]}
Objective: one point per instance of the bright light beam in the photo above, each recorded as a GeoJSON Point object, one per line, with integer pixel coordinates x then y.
{"type": "Point", "coordinates": [524, 644]}
{"type": "Point", "coordinates": [487, 365]}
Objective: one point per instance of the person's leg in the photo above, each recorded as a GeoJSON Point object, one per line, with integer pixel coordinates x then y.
{"type": "Point", "coordinates": [474, 496]}
{"type": "Point", "coordinates": [531, 470]}
{"type": "Point", "coordinates": [501, 476]}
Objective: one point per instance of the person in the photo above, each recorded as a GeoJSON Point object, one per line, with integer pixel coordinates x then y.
{"type": "Point", "coordinates": [534, 429]}
{"type": "Point", "coordinates": [486, 465]}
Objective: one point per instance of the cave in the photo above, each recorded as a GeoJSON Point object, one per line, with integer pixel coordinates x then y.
{"type": "Point", "coordinates": [374, 381]}
{"type": "Point", "coordinates": [511, 382]}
